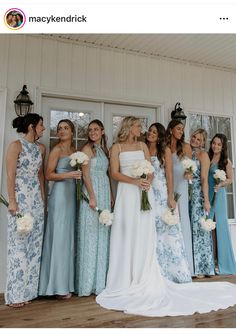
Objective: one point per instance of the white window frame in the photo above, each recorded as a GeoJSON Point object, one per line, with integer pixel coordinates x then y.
{"type": "Point", "coordinates": [232, 126]}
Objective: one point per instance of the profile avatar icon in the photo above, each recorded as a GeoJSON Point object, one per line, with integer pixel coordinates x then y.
{"type": "Point", "coordinates": [14, 18]}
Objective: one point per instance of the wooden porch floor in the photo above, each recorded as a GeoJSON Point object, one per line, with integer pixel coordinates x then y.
{"type": "Point", "coordinates": [83, 312]}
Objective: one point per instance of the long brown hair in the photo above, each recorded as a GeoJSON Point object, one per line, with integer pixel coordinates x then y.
{"type": "Point", "coordinates": [103, 139]}
{"type": "Point", "coordinates": [161, 142]}
{"type": "Point", "coordinates": [224, 152]}
{"type": "Point", "coordinates": [179, 143]}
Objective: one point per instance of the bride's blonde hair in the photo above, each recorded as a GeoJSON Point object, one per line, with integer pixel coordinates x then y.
{"type": "Point", "coordinates": [124, 130]}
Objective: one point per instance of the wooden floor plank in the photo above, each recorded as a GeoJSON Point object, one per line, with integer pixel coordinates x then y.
{"type": "Point", "coordinates": [83, 312]}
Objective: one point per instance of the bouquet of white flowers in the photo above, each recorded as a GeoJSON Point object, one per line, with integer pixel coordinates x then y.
{"type": "Point", "coordinates": [141, 169]}
{"type": "Point", "coordinates": [170, 215]}
{"type": "Point", "coordinates": [207, 224]}
{"type": "Point", "coordinates": [219, 176]}
{"type": "Point", "coordinates": [24, 222]}
{"type": "Point", "coordinates": [105, 216]}
{"type": "Point", "coordinates": [77, 160]}
{"type": "Point", "coordinates": [190, 166]}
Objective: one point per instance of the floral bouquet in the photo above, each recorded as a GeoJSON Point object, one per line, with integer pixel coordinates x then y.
{"type": "Point", "coordinates": [190, 167]}
{"type": "Point", "coordinates": [207, 224]}
{"type": "Point", "coordinates": [171, 216]}
{"type": "Point", "coordinates": [105, 216]}
{"type": "Point", "coordinates": [77, 160]}
{"type": "Point", "coordinates": [219, 176]}
{"type": "Point", "coordinates": [142, 169]}
{"type": "Point", "coordinates": [24, 222]}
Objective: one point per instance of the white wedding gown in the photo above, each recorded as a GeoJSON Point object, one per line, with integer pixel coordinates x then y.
{"type": "Point", "coordinates": [134, 283]}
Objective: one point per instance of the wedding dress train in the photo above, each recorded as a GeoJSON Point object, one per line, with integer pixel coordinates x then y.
{"type": "Point", "coordinates": [134, 283]}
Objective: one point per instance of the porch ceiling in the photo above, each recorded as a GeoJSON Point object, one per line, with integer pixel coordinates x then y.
{"type": "Point", "coordinates": [214, 50]}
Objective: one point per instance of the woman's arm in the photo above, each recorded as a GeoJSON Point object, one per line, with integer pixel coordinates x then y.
{"type": "Point", "coordinates": [51, 174]}
{"type": "Point", "coordinates": [169, 177]}
{"type": "Point", "coordinates": [41, 171]}
{"type": "Point", "coordinates": [205, 165]}
{"type": "Point", "coordinates": [13, 152]}
{"type": "Point", "coordinates": [87, 179]}
{"type": "Point", "coordinates": [115, 171]}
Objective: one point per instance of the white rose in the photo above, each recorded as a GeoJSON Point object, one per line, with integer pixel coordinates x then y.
{"type": "Point", "coordinates": [73, 162]}
{"type": "Point", "coordinates": [106, 217]}
{"type": "Point", "coordinates": [25, 223]}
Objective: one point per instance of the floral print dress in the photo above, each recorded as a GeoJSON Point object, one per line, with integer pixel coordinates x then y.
{"type": "Point", "coordinates": [202, 240]}
{"type": "Point", "coordinates": [93, 238]}
{"type": "Point", "coordinates": [170, 248]}
{"type": "Point", "coordinates": [24, 251]}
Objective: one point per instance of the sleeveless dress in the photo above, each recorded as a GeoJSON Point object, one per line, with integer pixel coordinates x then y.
{"type": "Point", "coordinates": [181, 187]}
{"type": "Point", "coordinates": [57, 267]}
{"type": "Point", "coordinates": [219, 212]}
{"type": "Point", "coordinates": [202, 240]}
{"type": "Point", "coordinates": [93, 237]}
{"type": "Point", "coordinates": [134, 282]}
{"type": "Point", "coordinates": [170, 248]}
{"type": "Point", "coordinates": [24, 251]}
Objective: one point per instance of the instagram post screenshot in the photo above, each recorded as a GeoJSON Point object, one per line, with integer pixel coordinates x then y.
{"type": "Point", "coordinates": [117, 165]}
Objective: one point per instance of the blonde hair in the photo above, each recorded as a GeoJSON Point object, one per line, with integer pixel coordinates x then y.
{"type": "Point", "coordinates": [204, 136]}
{"type": "Point", "coordinates": [124, 130]}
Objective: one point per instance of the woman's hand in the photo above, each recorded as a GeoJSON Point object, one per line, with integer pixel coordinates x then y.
{"type": "Point", "coordinates": [112, 201]}
{"type": "Point", "coordinates": [188, 176]}
{"type": "Point", "coordinates": [92, 203]}
{"type": "Point", "coordinates": [217, 187]}
{"type": "Point", "coordinates": [207, 206]}
{"type": "Point", "coordinates": [171, 203]}
{"type": "Point", "coordinates": [144, 184]}
{"type": "Point", "coordinates": [13, 207]}
{"type": "Point", "coordinates": [75, 175]}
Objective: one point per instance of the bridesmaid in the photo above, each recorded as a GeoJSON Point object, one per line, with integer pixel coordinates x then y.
{"type": "Point", "coordinates": [179, 150]}
{"type": "Point", "coordinates": [57, 267]}
{"type": "Point", "coordinates": [218, 155]}
{"type": "Point", "coordinates": [25, 183]}
{"type": "Point", "coordinates": [93, 237]}
{"type": "Point", "coordinates": [170, 248]}
{"type": "Point", "coordinates": [199, 206]}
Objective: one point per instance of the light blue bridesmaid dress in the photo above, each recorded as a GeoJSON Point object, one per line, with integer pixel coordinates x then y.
{"type": "Point", "coordinates": [57, 267]}
{"type": "Point", "coordinates": [219, 212]}
{"type": "Point", "coordinates": [202, 240]}
{"type": "Point", "coordinates": [181, 187]}
{"type": "Point", "coordinates": [170, 247]}
{"type": "Point", "coordinates": [93, 237]}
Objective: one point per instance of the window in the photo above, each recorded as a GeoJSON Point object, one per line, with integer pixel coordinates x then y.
{"type": "Point", "coordinates": [80, 120]}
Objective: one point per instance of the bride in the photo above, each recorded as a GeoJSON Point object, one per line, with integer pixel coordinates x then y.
{"type": "Point", "coordinates": [134, 282]}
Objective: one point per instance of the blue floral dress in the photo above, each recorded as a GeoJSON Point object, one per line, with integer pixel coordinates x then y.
{"type": "Point", "coordinates": [181, 187]}
{"type": "Point", "coordinates": [170, 248]}
{"type": "Point", "coordinates": [24, 251]}
{"type": "Point", "coordinates": [93, 237]}
{"type": "Point", "coordinates": [202, 240]}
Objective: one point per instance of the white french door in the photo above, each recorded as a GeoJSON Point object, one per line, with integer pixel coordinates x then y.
{"type": "Point", "coordinates": [81, 112]}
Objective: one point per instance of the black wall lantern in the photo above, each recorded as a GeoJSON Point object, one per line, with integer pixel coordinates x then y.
{"type": "Point", "coordinates": [23, 104]}
{"type": "Point", "coordinates": [178, 113]}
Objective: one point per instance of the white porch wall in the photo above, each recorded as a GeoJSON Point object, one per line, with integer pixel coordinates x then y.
{"type": "Point", "coordinates": [76, 70]}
